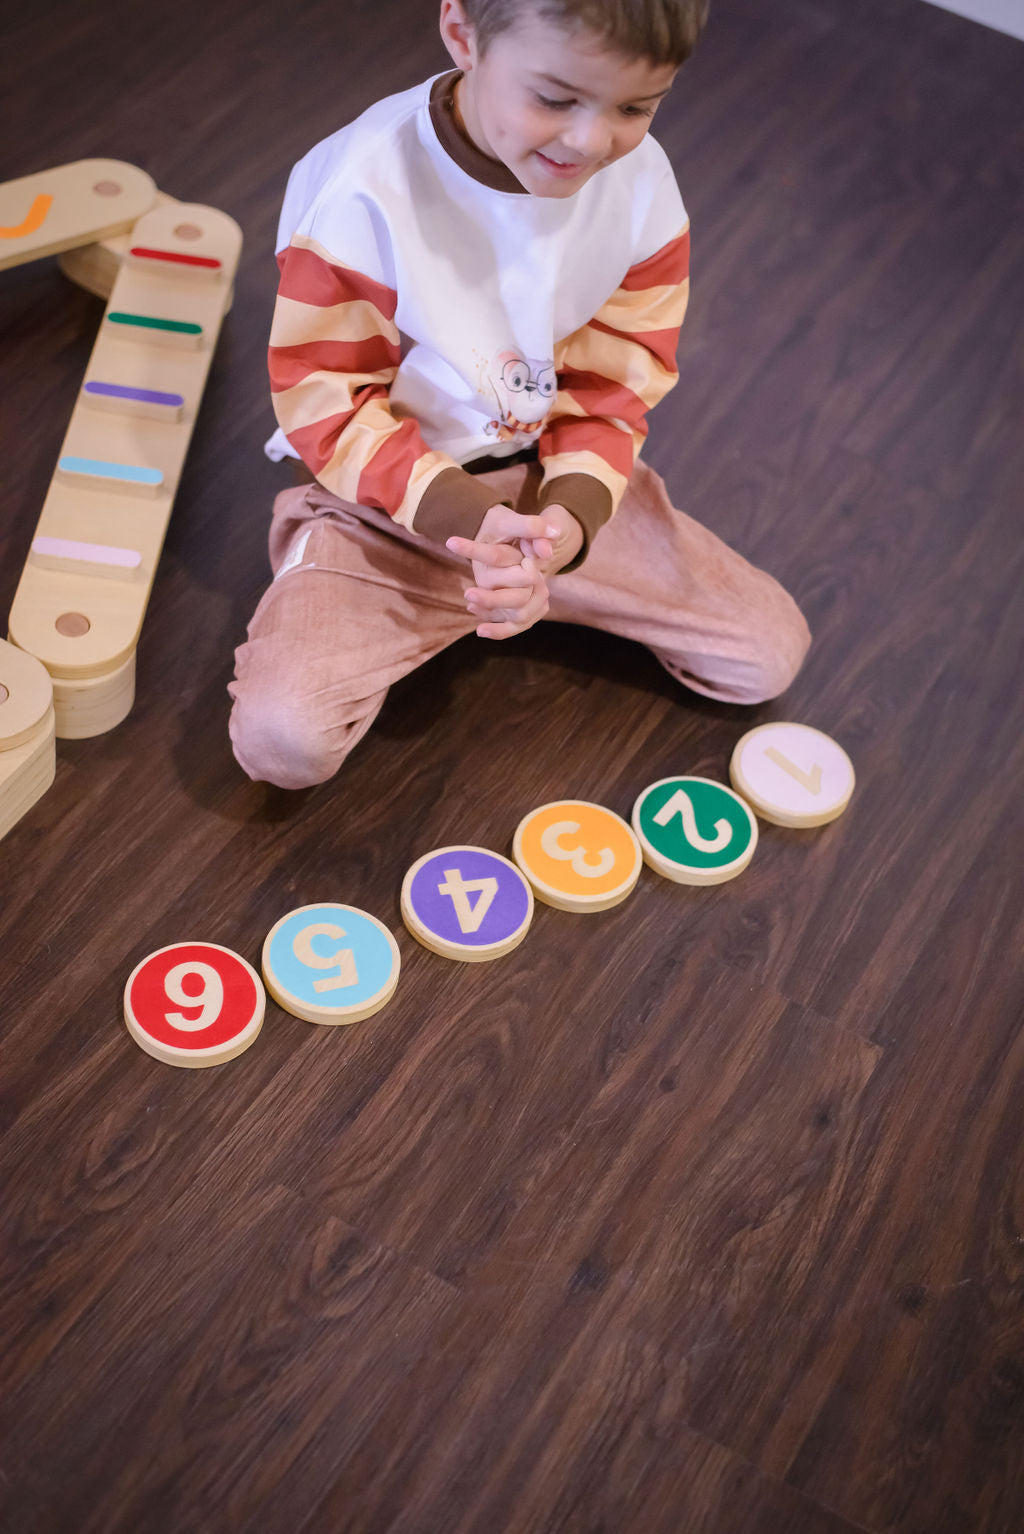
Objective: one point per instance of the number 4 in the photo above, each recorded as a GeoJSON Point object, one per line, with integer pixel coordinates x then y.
{"type": "Point", "coordinates": [469, 915]}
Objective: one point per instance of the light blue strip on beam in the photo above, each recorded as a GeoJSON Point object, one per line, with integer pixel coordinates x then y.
{"type": "Point", "coordinates": [130, 473]}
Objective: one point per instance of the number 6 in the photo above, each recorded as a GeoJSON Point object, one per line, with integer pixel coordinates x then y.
{"type": "Point", "coordinates": [210, 998]}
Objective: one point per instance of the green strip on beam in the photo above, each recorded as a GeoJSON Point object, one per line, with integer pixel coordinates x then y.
{"type": "Point", "coordinates": [149, 322]}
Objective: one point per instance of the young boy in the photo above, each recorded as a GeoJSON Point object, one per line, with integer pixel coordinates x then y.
{"type": "Point", "coordinates": [482, 284]}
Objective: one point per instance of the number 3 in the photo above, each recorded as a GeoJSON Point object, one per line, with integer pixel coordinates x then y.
{"type": "Point", "coordinates": [578, 858]}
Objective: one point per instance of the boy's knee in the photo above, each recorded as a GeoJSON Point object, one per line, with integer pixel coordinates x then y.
{"type": "Point", "coordinates": [753, 662]}
{"type": "Point", "coordinates": [286, 741]}
{"type": "Point", "coordinates": [784, 652]}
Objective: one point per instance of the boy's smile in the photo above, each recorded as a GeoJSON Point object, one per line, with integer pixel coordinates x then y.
{"type": "Point", "coordinates": [554, 106]}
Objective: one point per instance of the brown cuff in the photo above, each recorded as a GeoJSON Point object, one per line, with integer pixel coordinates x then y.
{"type": "Point", "coordinates": [454, 503]}
{"type": "Point", "coordinates": [589, 501]}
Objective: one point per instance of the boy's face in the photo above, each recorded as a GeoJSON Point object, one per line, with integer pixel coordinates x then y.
{"type": "Point", "coordinates": [553, 105]}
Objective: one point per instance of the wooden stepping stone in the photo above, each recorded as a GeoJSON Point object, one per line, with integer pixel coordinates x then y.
{"type": "Point", "coordinates": [331, 963]}
{"type": "Point", "coordinates": [194, 1004]}
{"type": "Point", "coordinates": [467, 903]}
{"type": "Point", "coordinates": [577, 856]}
{"type": "Point", "coordinates": [792, 774]}
{"type": "Point", "coordinates": [694, 831]}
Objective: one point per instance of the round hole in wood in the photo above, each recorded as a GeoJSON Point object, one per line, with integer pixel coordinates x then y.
{"type": "Point", "coordinates": [108, 189]}
{"type": "Point", "coordinates": [73, 625]}
{"type": "Point", "coordinates": [4, 694]}
{"type": "Point", "coordinates": [188, 231]}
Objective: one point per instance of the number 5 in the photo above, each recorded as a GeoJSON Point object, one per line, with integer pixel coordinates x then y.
{"type": "Point", "coordinates": [344, 958]}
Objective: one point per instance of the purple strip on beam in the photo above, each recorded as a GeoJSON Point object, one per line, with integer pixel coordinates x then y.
{"type": "Point", "coordinates": [140, 396]}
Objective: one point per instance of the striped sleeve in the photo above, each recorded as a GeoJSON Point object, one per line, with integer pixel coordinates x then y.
{"type": "Point", "coordinates": [334, 352]}
{"type": "Point", "coordinates": [611, 372]}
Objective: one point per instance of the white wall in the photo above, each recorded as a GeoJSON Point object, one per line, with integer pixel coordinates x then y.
{"type": "Point", "coordinates": [1004, 15]}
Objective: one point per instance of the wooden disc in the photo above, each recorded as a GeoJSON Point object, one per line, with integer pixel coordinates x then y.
{"type": "Point", "coordinates": [331, 963]}
{"type": "Point", "coordinates": [467, 903]}
{"type": "Point", "coordinates": [792, 774]}
{"type": "Point", "coordinates": [194, 1004]}
{"type": "Point", "coordinates": [578, 856]}
{"type": "Point", "coordinates": [26, 772]}
{"type": "Point", "coordinates": [26, 695]}
{"type": "Point", "coordinates": [694, 831]}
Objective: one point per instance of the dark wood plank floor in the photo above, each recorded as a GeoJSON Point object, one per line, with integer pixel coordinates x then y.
{"type": "Point", "coordinates": [702, 1216]}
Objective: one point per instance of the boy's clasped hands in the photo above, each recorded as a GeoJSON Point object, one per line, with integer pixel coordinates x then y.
{"type": "Point", "coordinates": [512, 557]}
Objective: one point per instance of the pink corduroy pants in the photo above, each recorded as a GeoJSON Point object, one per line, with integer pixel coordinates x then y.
{"type": "Point", "coordinates": [357, 602]}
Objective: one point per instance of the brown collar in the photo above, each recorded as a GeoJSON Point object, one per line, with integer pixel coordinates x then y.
{"type": "Point", "coordinates": [457, 143]}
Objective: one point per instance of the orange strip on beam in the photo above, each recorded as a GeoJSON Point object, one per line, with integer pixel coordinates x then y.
{"type": "Point", "coordinates": [36, 214]}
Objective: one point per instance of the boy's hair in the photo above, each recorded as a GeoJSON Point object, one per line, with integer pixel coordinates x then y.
{"type": "Point", "coordinates": [661, 31]}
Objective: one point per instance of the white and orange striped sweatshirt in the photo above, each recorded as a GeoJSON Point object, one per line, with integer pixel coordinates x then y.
{"type": "Point", "coordinates": [431, 311]}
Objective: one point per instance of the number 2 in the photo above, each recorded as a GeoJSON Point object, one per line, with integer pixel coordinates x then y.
{"type": "Point", "coordinates": [682, 805]}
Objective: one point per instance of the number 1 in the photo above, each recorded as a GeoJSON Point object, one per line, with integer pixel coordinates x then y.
{"type": "Point", "coordinates": [810, 780]}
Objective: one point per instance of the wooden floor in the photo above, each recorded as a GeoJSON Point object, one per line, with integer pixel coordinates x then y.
{"type": "Point", "coordinates": [701, 1216]}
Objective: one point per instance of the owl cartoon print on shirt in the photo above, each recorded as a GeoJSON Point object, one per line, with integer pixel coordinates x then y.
{"type": "Point", "coordinates": [524, 389]}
